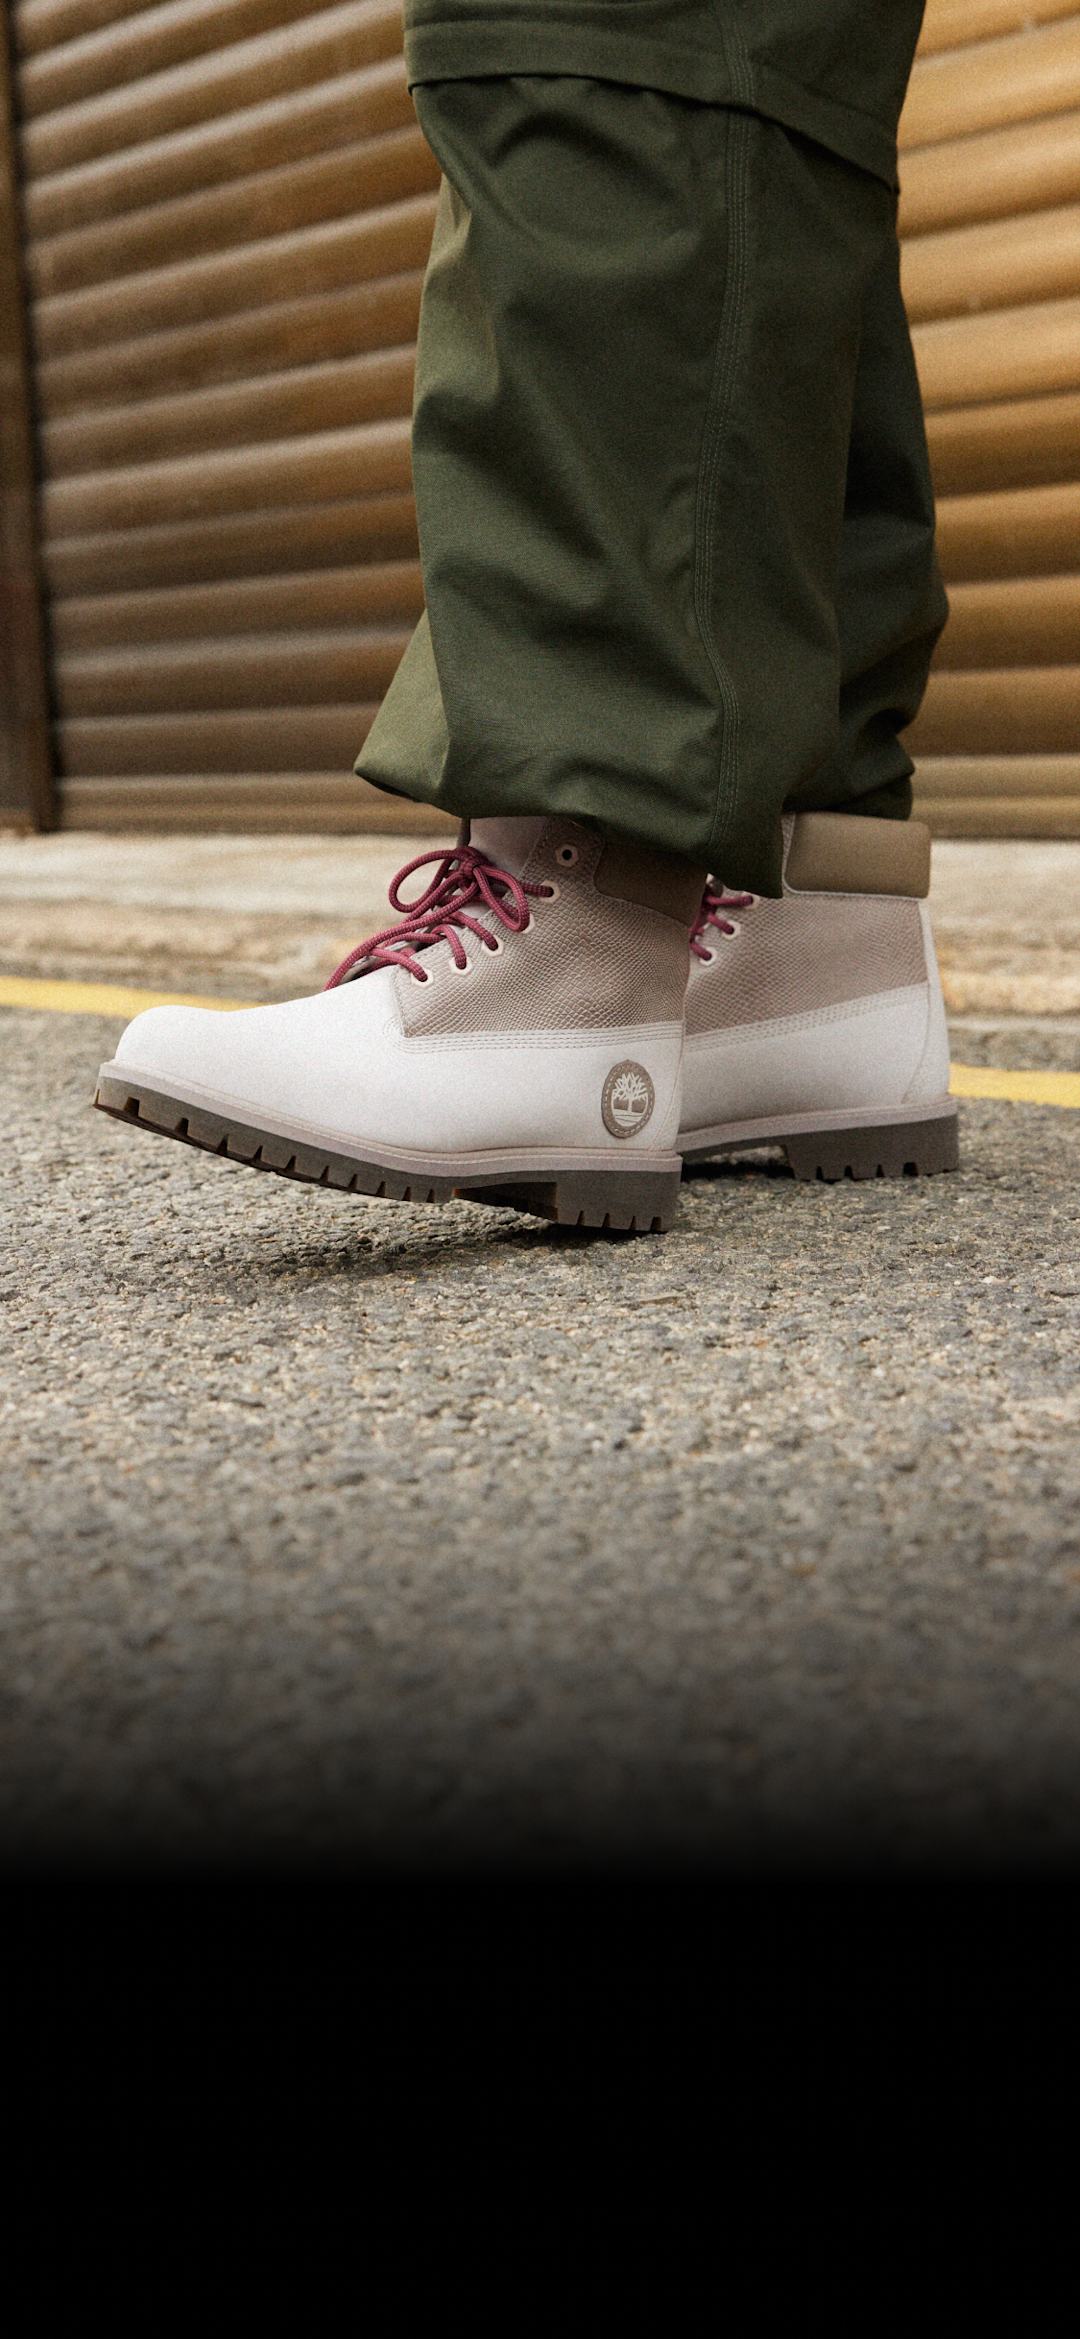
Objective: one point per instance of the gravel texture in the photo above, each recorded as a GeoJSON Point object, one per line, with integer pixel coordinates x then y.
{"type": "Point", "coordinates": [342, 1531]}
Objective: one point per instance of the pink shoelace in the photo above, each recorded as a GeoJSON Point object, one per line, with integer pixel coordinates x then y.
{"type": "Point", "coordinates": [463, 878]}
{"type": "Point", "coordinates": [714, 902]}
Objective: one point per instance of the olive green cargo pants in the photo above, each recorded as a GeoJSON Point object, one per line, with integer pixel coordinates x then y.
{"type": "Point", "coordinates": [676, 520]}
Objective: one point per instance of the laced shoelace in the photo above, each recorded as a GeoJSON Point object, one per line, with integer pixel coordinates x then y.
{"type": "Point", "coordinates": [714, 901]}
{"type": "Point", "coordinates": [443, 911]}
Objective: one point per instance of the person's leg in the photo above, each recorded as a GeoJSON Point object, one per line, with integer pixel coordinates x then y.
{"type": "Point", "coordinates": [816, 1021]}
{"type": "Point", "coordinates": [637, 369]}
{"type": "Point", "coordinates": [642, 326]}
{"type": "Point", "coordinates": [891, 599]}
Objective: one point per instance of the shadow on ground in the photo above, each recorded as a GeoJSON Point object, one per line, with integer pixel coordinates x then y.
{"type": "Point", "coordinates": [347, 1532]}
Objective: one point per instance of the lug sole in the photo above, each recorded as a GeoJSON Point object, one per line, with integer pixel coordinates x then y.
{"type": "Point", "coordinates": [883, 1149]}
{"type": "Point", "coordinates": [628, 1201]}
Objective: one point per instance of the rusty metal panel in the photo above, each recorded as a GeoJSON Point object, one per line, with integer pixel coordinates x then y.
{"type": "Point", "coordinates": [227, 215]}
{"type": "Point", "coordinates": [26, 780]}
{"type": "Point", "coordinates": [990, 220]}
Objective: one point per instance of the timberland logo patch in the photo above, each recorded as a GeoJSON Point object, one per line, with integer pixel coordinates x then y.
{"type": "Point", "coordinates": [628, 1099]}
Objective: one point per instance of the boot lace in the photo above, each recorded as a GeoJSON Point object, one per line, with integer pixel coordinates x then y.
{"type": "Point", "coordinates": [465, 880]}
{"type": "Point", "coordinates": [714, 901]}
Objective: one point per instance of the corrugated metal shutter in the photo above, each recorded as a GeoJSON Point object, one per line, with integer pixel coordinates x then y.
{"type": "Point", "coordinates": [990, 215]}
{"type": "Point", "coordinates": [228, 208]}
{"type": "Point", "coordinates": [26, 786]}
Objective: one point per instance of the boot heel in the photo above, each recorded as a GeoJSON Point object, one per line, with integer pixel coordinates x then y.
{"type": "Point", "coordinates": [898, 1149]}
{"type": "Point", "coordinates": [635, 1201]}
{"type": "Point", "coordinates": [638, 1201]}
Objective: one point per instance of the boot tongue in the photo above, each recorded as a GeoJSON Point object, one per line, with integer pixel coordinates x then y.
{"type": "Point", "coordinates": [509, 843]}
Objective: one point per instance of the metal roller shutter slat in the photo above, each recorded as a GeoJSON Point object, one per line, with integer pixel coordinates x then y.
{"type": "Point", "coordinates": [46, 24]}
{"type": "Point", "coordinates": [1006, 354]}
{"type": "Point", "coordinates": [182, 678]}
{"type": "Point", "coordinates": [1028, 531]}
{"type": "Point", "coordinates": [1011, 710]}
{"type": "Point", "coordinates": [1002, 816]}
{"type": "Point", "coordinates": [246, 479]}
{"type": "Point", "coordinates": [392, 166]}
{"type": "Point", "coordinates": [363, 389]}
{"type": "Point", "coordinates": [264, 137]}
{"type": "Point", "coordinates": [954, 24]}
{"type": "Point", "coordinates": [1013, 775]}
{"type": "Point", "coordinates": [1015, 621]}
{"type": "Point", "coordinates": [992, 176]}
{"type": "Point", "coordinates": [1033, 442]}
{"type": "Point", "coordinates": [148, 41]}
{"type": "Point", "coordinates": [243, 544]}
{"type": "Point", "coordinates": [296, 801]}
{"type": "Point", "coordinates": [385, 591]}
{"type": "Point", "coordinates": [298, 333]}
{"type": "Point", "coordinates": [994, 265]}
{"type": "Point", "coordinates": [336, 41]}
{"type": "Point", "coordinates": [281, 739]}
{"type": "Point", "coordinates": [1013, 80]}
{"type": "Point", "coordinates": [330, 258]}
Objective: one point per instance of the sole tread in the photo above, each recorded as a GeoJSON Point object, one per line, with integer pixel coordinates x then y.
{"type": "Point", "coordinates": [622, 1201]}
{"type": "Point", "coordinates": [902, 1149]}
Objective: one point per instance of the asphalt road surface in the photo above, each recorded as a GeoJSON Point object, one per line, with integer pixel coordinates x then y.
{"type": "Point", "coordinates": [343, 1531]}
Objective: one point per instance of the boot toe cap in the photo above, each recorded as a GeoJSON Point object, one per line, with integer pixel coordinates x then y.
{"type": "Point", "coordinates": [306, 1063]}
{"type": "Point", "coordinates": [169, 1043]}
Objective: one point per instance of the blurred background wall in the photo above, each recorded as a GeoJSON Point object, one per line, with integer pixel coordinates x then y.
{"type": "Point", "coordinates": [214, 217]}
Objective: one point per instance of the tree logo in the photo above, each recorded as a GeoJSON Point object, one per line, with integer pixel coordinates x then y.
{"type": "Point", "coordinates": [628, 1099]}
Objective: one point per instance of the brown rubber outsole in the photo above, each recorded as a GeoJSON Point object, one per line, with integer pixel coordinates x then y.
{"type": "Point", "coordinates": [889, 1149]}
{"type": "Point", "coordinates": [627, 1201]}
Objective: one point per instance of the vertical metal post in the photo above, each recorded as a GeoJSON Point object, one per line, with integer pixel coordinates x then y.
{"type": "Point", "coordinates": [27, 784]}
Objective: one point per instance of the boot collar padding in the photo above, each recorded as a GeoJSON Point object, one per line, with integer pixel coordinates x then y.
{"type": "Point", "coordinates": [845, 852]}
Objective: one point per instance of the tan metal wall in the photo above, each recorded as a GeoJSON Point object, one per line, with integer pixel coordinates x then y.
{"type": "Point", "coordinates": [227, 207]}
{"type": "Point", "coordinates": [991, 220]}
{"type": "Point", "coordinates": [26, 778]}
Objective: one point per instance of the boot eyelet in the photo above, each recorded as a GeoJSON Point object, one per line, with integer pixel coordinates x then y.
{"type": "Point", "coordinates": [730, 930]}
{"type": "Point", "coordinates": [550, 893]}
{"type": "Point", "coordinates": [706, 958]}
{"type": "Point", "coordinates": [568, 856]}
{"type": "Point", "coordinates": [466, 969]}
{"type": "Point", "coordinates": [494, 946]}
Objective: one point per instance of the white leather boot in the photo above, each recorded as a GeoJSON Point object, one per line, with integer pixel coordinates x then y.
{"type": "Point", "coordinates": [516, 1039]}
{"type": "Point", "coordinates": [816, 1022]}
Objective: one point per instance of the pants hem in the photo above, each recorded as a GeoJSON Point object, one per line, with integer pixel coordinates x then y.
{"type": "Point", "coordinates": [471, 50]}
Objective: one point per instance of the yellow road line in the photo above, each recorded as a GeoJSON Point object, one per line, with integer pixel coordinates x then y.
{"type": "Point", "coordinates": [1015, 1087]}
{"type": "Point", "coordinates": [97, 998]}
{"type": "Point", "coordinates": [1007, 1085]}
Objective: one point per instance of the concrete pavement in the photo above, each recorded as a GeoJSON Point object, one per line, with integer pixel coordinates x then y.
{"type": "Point", "coordinates": [341, 1531]}
{"type": "Point", "coordinates": [261, 916]}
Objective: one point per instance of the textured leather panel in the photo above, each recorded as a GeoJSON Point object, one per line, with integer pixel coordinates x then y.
{"type": "Point", "coordinates": [805, 952]}
{"type": "Point", "coordinates": [588, 960]}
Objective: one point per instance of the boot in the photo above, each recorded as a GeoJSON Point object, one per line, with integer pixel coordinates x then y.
{"type": "Point", "coordinates": [816, 1022]}
{"type": "Point", "coordinates": [516, 1039]}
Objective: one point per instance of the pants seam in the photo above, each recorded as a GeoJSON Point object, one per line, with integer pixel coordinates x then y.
{"type": "Point", "coordinates": [716, 420]}
{"type": "Point", "coordinates": [733, 49]}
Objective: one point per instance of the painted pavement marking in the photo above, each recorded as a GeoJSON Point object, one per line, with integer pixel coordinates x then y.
{"type": "Point", "coordinates": [1000, 1083]}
